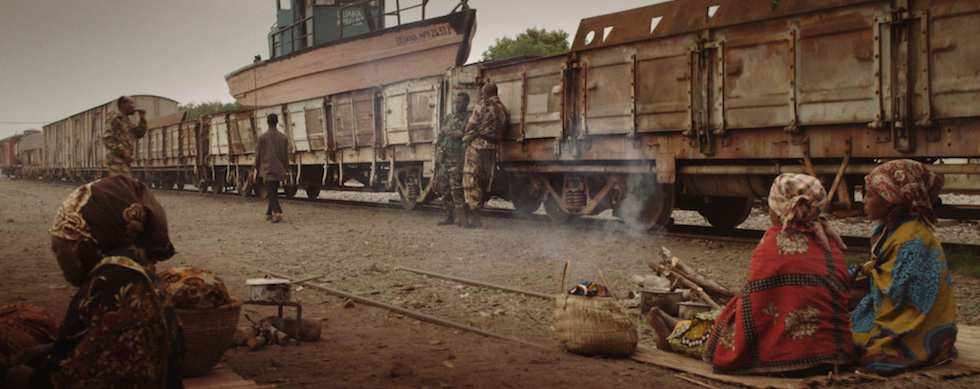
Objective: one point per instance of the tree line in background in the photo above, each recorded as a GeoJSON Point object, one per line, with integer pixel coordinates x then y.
{"type": "Point", "coordinates": [534, 42]}
{"type": "Point", "coordinates": [196, 110]}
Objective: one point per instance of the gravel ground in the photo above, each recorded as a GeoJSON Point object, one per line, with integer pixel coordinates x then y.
{"type": "Point", "coordinates": [358, 249]}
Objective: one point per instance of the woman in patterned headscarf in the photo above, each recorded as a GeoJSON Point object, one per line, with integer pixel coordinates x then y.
{"type": "Point", "coordinates": [905, 317]}
{"type": "Point", "coordinates": [120, 329]}
{"type": "Point", "coordinates": [792, 315]}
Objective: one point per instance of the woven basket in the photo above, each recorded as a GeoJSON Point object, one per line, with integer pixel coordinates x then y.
{"type": "Point", "coordinates": [593, 325]}
{"type": "Point", "coordinates": [208, 333]}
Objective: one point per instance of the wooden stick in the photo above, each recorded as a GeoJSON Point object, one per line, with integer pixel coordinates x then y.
{"type": "Point", "coordinates": [689, 272]}
{"type": "Point", "coordinates": [563, 291]}
{"type": "Point", "coordinates": [709, 286]}
{"type": "Point", "coordinates": [694, 381]}
{"type": "Point", "coordinates": [607, 284]}
{"type": "Point", "coordinates": [690, 284]}
{"type": "Point", "coordinates": [407, 312]}
{"type": "Point", "coordinates": [310, 278]}
{"type": "Point", "coordinates": [478, 283]}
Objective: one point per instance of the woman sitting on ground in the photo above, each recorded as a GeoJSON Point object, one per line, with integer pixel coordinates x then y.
{"type": "Point", "coordinates": [792, 315]}
{"type": "Point", "coordinates": [905, 315]}
{"type": "Point", "coordinates": [120, 330]}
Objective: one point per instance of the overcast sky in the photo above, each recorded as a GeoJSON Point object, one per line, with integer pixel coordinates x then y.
{"type": "Point", "coordinates": [58, 58]}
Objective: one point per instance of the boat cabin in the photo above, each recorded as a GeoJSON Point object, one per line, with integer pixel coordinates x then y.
{"type": "Point", "coordinates": [306, 23]}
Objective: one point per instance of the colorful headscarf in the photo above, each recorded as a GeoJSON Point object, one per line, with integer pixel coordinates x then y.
{"type": "Point", "coordinates": [800, 199]}
{"type": "Point", "coordinates": [115, 213]}
{"type": "Point", "coordinates": [908, 183]}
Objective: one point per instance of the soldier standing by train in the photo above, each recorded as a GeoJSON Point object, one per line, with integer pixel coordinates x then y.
{"type": "Point", "coordinates": [120, 135]}
{"type": "Point", "coordinates": [481, 137]}
{"type": "Point", "coordinates": [449, 172]}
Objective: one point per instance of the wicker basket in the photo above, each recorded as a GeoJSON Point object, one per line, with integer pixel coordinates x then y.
{"type": "Point", "coordinates": [208, 333]}
{"type": "Point", "coordinates": [593, 325]}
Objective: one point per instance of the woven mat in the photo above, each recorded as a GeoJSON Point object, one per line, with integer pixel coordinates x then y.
{"type": "Point", "coordinates": [222, 378]}
{"type": "Point", "coordinates": [967, 363]}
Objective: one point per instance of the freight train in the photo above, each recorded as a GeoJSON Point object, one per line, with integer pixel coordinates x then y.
{"type": "Point", "coordinates": [689, 104]}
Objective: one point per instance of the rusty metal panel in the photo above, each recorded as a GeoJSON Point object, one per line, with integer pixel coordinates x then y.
{"type": "Point", "coordinates": [188, 139]}
{"type": "Point", "coordinates": [837, 68]}
{"type": "Point", "coordinates": [411, 111]}
{"type": "Point", "coordinates": [608, 81]}
{"type": "Point", "coordinates": [219, 135]}
{"type": "Point", "coordinates": [172, 142]}
{"type": "Point", "coordinates": [532, 92]}
{"type": "Point", "coordinates": [156, 145]}
{"type": "Point", "coordinates": [688, 16]}
{"type": "Point", "coordinates": [245, 129]}
{"type": "Point", "coordinates": [953, 53]}
{"type": "Point", "coordinates": [759, 75]}
{"type": "Point", "coordinates": [316, 130]}
{"type": "Point", "coordinates": [662, 83]}
{"type": "Point", "coordinates": [354, 118]}
{"type": "Point", "coordinates": [300, 127]}
{"type": "Point", "coordinates": [234, 137]}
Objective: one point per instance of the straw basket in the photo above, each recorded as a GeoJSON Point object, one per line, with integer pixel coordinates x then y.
{"type": "Point", "coordinates": [593, 325]}
{"type": "Point", "coordinates": [208, 333]}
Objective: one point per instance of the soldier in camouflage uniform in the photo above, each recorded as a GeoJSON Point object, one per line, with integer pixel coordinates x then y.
{"type": "Point", "coordinates": [482, 135]}
{"type": "Point", "coordinates": [449, 171]}
{"type": "Point", "coordinates": [120, 135]}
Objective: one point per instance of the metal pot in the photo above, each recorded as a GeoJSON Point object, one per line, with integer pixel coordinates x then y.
{"type": "Point", "coordinates": [687, 310]}
{"type": "Point", "coordinates": [274, 290]}
{"type": "Point", "coordinates": [663, 298]}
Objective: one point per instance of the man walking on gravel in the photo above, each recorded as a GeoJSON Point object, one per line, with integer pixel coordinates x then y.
{"type": "Point", "coordinates": [449, 174]}
{"type": "Point", "coordinates": [271, 160]}
{"type": "Point", "coordinates": [120, 135]}
{"type": "Point", "coordinates": [481, 136]}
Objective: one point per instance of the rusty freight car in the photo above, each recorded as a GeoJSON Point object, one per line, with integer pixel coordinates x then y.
{"type": "Point", "coordinates": [699, 104]}
{"type": "Point", "coordinates": [73, 148]}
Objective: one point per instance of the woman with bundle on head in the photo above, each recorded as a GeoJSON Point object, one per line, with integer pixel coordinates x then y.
{"type": "Point", "coordinates": [905, 315]}
{"type": "Point", "coordinates": [120, 329]}
{"type": "Point", "coordinates": [792, 315]}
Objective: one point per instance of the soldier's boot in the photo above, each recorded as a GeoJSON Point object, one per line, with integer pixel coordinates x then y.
{"type": "Point", "coordinates": [473, 218]}
{"type": "Point", "coordinates": [449, 217]}
{"type": "Point", "coordinates": [460, 212]}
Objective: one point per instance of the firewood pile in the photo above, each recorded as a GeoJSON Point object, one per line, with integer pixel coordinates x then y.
{"type": "Point", "coordinates": [682, 275]}
{"type": "Point", "coordinates": [276, 331]}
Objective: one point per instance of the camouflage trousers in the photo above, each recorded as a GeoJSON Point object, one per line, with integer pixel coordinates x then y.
{"type": "Point", "coordinates": [477, 175]}
{"type": "Point", "coordinates": [449, 183]}
{"type": "Point", "coordinates": [120, 168]}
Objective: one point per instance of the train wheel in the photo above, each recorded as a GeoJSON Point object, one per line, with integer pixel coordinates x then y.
{"type": "Point", "coordinates": [409, 202]}
{"type": "Point", "coordinates": [726, 212]}
{"type": "Point", "coordinates": [526, 205]}
{"type": "Point", "coordinates": [408, 184]}
{"type": "Point", "coordinates": [202, 187]}
{"type": "Point", "coordinates": [289, 190]}
{"type": "Point", "coordinates": [554, 211]}
{"type": "Point", "coordinates": [218, 187]}
{"type": "Point", "coordinates": [243, 184]}
{"type": "Point", "coordinates": [312, 189]}
{"type": "Point", "coordinates": [646, 204]}
{"type": "Point", "coordinates": [526, 196]}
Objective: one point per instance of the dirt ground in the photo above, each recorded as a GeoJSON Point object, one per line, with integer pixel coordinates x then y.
{"type": "Point", "coordinates": [357, 249]}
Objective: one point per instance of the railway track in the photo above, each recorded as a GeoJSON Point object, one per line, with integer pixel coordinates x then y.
{"type": "Point", "coordinates": [738, 235]}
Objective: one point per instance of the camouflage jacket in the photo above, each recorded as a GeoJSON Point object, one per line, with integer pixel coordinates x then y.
{"type": "Point", "coordinates": [489, 119]}
{"type": "Point", "coordinates": [452, 148]}
{"type": "Point", "coordinates": [121, 134]}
